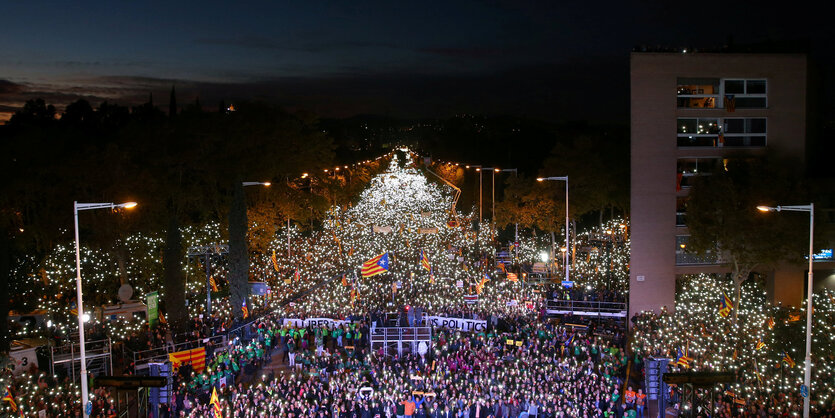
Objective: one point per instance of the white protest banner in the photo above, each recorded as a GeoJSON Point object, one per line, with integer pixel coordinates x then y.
{"type": "Point", "coordinates": [23, 360]}
{"type": "Point", "coordinates": [381, 229]}
{"type": "Point", "coordinates": [460, 324]}
{"type": "Point", "coordinates": [315, 322]}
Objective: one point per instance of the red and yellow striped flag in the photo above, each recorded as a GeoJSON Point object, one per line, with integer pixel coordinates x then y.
{"type": "Point", "coordinates": [196, 357]}
{"type": "Point", "coordinates": [215, 403]}
{"type": "Point", "coordinates": [10, 399]}
{"type": "Point", "coordinates": [788, 359]}
{"type": "Point", "coordinates": [275, 261]}
{"type": "Point", "coordinates": [376, 265]}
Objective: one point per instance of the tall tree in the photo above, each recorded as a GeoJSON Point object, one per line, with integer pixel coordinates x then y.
{"type": "Point", "coordinates": [597, 167]}
{"type": "Point", "coordinates": [174, 279]}
{"type": "Point", "coordinates": [722, 216]}
{"type": "Point", "coordinates": [238, 250]}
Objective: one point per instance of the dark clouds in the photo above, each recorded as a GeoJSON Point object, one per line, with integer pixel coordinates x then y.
{"type": "Point", "coordinates": [8, 87]}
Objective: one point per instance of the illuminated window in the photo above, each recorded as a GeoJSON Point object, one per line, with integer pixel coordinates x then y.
{"type": "Point", "coordinates": [715, 132]}
{"type": "Point", "coordinates": [698, 132]}
{"type": "Point", "coordinates": [698, 92]}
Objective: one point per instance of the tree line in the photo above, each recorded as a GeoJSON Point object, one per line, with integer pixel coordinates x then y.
{"type": "Point", "coordinates": [184, 167]}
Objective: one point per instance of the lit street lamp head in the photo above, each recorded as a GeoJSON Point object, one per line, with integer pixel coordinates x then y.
{"type": "Point", "coordinates": [767, 209]}
{"type": "Point", "coordinates": [128, 205]}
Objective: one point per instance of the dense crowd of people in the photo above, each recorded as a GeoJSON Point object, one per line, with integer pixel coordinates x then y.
{"type": "Point", "coordinates": [527, 367]}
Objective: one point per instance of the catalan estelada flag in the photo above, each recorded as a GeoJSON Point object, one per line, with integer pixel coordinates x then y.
{"type": "Point", "coordinates": [244, 309]}
{"type": "Point", "coordinates": [569, 341]}
{"type": "Point", "coordinates": [480, 286]}
{"type": "Point", "coordinates": [770, 323]}
{"type": "Point", "coordinates": [726, 305]}
{"type": "Point", "coordinates": [682, 359]}
{"type": "Point", "coordinates": [213, 283]}
{"type": "Point", "coordinates": [215, 403]}
{"type": "Point", "coordinates": [424, 261]}
{"type": "Point", "coordinates": [512, 277]}
{"type": "Point", "coordinates": [760, 344]}
{"type": "Point", "coordinates": [376, 265]}
{"type": "Point", "coordinates": [196, 357]}
{"type": "Point", "coordinates": [788, 359]}
{"type": "Point", "coordinates": [7, 397]}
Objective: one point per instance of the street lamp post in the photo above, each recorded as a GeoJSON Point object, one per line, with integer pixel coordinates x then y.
{"type": "Point", "coordinates": [565, 179]}
{"type": "Point", "coordinates": [80, 303]}
{"type": "Point", "coordinates": [807, 372]}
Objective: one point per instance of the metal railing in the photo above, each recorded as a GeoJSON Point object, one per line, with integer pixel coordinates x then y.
{"type": "Point", "coordinates": [404, 334]}
{"type": "Point", "coordinates": [68, 356]}
{"type": "Point", "coordinates": [586, 308]}
{"type": "Point", "coordinates": [244, 332]}
{"type": "Point", "coordinates": [399, 339]}
{"type": "Point", "coordinates": [161, 353]}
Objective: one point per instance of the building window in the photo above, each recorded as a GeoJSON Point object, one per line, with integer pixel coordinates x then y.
{"type": "Point", "coordinates": [686, 258]}
{"type": "Point", "coordinates": [688, 168]}
{"type": "Point", "coordinates": [698, 92]}
{"type": "Point", "coordinates": [745, 94]}
{"type": "Point", "coordinates": [698, 132]}
{"type": "Point", "coordinates": [681, 211]}
{"type": "Point", "coordinates": [744, 132]}
{"type": "Point", "coordinates": [715, 132]}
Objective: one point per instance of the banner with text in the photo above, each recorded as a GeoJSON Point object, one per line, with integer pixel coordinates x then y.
{"type": "Point", "coordinates": [315, 322]}
{"type": "Point", "coordinates": [460, 324]}
{"type": "Point", "coordinates": [152, 301]}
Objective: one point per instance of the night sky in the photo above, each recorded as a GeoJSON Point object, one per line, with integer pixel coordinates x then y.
{"type": "Point", "coordinates": [550, 59]}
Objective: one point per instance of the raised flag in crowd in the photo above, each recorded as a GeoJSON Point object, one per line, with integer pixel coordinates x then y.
{"type": "Point", "coordinates": [7, 397]}
{"type": "Point", "coordinates": [726, 305]}
{"type": "Point", "coordinates": [424, 261]}
{"type": "Point", "coordinates": [376, 265]}
{"type": "Point", "coordinates": [215, 403]}
{"type": "Point", "coordinates": [682, 359]}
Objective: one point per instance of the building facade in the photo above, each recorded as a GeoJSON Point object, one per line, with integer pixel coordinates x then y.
{"type": "Point", "coordinates": [688, 111]}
